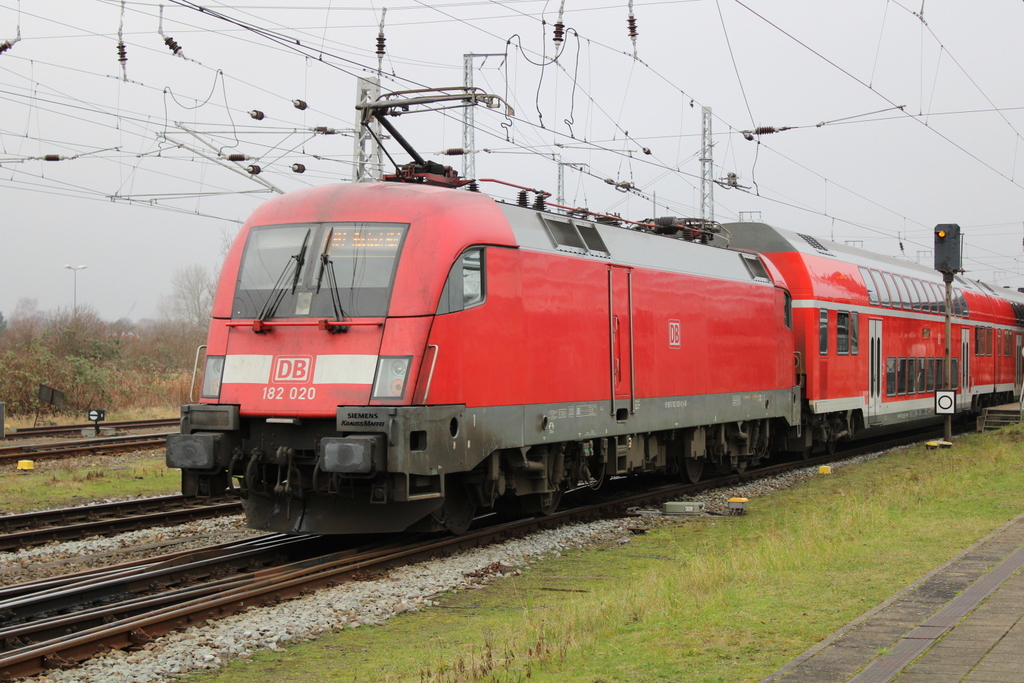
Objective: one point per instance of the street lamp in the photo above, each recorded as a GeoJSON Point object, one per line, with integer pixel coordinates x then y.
{"type": "Point", "coordinates": [75, 270]}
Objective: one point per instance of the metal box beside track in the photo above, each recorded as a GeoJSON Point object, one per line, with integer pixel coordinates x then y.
{"type": "Point", "coordinates": [683, 507]}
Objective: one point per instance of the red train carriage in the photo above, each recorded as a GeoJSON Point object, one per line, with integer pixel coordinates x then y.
{"type": "Point", "coordinates": [870, 334]}
{"type": "Point", "coordinates": [393, 356]}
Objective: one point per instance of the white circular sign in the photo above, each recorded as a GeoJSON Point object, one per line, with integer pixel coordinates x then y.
{"type": "Point", "coordinates": [945, 401]}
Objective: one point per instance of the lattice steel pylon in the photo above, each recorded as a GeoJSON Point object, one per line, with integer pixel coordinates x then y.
{"type": "Point", "coordinates": [369, 161]}
{"type": "Point", "coordinates": [468, 123]}
{"type": "Point", "coordinates": [707, 172]}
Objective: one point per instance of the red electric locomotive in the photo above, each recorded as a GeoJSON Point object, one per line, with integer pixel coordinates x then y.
{"type": "Point", "coordinates": [397, 355]}
{"type": "Point", "coordinates": [870, 335]}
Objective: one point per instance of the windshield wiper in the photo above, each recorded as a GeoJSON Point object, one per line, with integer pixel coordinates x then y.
{"type": "Point", "coordinates": [277, 293]}
{"type": "Point", "coordinates": [332, 284]}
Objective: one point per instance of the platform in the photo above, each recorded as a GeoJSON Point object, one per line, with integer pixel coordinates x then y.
{"type": "Point", "coordinates": [999, 416]}
{"type": "Point", "coordinates": [963, 622]}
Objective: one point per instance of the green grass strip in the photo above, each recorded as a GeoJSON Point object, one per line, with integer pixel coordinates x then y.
{"type": "Point", "coordinates": [714, 599]}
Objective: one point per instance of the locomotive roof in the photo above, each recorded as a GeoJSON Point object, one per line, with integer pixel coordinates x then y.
{"type": "Point", "coordinates": [539, 230]}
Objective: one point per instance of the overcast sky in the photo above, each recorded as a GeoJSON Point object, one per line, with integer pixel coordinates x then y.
{"type": "Point", "coordinates": [897, 123]}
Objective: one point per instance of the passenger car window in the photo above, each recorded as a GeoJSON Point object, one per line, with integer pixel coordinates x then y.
{"type": "Point", "coordinates": [883, 293]}
{"type": "Point", "coordinates": [823, 332]}
{"type": "Point", "coordinates": [893, 292]}
{"type": "Point", "coordinates": [842, 332]}
{"type": "Point", "coordinates": [854, 333]}
{"type": "Point", "coordinates": [870, 285]}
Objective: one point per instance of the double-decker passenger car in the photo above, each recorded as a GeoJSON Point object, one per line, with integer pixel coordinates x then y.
{"type": "Point", "coordinates": [870, 334]}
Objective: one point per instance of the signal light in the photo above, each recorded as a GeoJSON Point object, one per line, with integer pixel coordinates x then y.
{"type": "Point", "coordinates": [947, 248]}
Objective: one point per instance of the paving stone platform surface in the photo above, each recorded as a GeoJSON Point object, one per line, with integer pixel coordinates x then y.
{"type": "Point", "coordinates": [962, 623]}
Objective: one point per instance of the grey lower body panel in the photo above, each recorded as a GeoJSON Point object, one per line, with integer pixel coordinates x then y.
{"type": "Point", "coordinates": [437, 440]}
{"type": "Point", "coordinates": [321, 514]}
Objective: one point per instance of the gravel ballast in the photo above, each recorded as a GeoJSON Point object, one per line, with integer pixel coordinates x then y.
{"type": "Point", "coordinates": [360, 604]}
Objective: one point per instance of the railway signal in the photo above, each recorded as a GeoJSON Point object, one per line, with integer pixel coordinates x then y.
{"type": "Point", "coordinates": [948, 261]}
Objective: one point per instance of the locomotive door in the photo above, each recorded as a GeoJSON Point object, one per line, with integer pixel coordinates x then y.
{"type": "Point", "coordinates": [875, 371]}
{"type": "Point", "coordinates": [620, 331]}
{"type": "Point", "coordinates": [964, 397]}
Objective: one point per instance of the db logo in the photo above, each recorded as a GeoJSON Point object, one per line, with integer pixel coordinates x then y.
{"type": "Point", "coordinates": [293, 368]}
{"type": "Point", "coordinates": [675, 334]}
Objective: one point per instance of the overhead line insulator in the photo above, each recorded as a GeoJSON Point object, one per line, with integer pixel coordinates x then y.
{"type": "Point", "coordinates": [172, 44]}
{"type": "Point", "coordinates": [299, 104]}
{"type": "Point", "coordinates": [256, 114]}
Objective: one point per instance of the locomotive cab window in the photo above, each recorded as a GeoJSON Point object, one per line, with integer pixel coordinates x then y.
{"type": "Point", "coordinates": [338, 270]}
{"type": "Point", "coordinates": [466, 283]}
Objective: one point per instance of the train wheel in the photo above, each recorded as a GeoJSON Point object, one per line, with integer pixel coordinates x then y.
{"type": "Point", "coordinates": [694, 468]}
{"type": "Point", "coordinates": [457, 511]}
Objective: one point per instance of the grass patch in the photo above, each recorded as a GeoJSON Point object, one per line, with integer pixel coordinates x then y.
{"type": "Point", "coordinates": [56, 484]}
{"type": "Point", "coordinates": [716, 599]}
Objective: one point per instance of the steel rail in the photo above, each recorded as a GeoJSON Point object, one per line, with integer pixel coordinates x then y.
{"type": "Point", "coordinates": [88, 513]}
{"type": "Point", "coordinates": [61, 430]}
{"type": "Point", "coordinates": [64, 449]}
{"type": "Point", "coordinates": [185, 510]}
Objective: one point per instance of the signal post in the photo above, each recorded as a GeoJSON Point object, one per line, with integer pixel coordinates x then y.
{"type": "Point", "coordinates": [948, 262]}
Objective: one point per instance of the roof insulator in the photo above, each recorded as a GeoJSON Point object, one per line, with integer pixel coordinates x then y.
{"type": "Point", "coordinates": [521, 200]}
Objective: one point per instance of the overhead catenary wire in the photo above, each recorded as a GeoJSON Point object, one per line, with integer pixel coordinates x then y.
{"type": "Point", "coordinates": [522, 123]}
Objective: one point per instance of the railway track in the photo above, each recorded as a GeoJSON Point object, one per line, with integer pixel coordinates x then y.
{"type": "Point", "coordinates": [66, 430]}
{"type": "Point", "coordinates": [66, 524]}
{"type": "Point", "coordinates": [67, 449]}
{"type": "Point", "coordinates": [59, 622]}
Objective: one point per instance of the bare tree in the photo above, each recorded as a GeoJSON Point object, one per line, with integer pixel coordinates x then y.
{"type": "Point", "coordinates": [191, 297]}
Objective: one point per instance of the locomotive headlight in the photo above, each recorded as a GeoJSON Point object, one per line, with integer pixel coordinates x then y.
{"type": "Point", "coordinates": [212, 375]}
{"type": "Point", "coordinates": [391, 374]}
